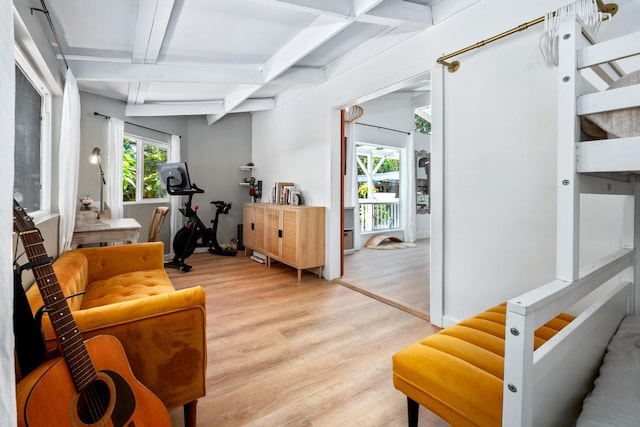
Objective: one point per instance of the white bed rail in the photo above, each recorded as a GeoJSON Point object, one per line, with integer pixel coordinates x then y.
{"type": "Point", "coordinates": [546, 387]}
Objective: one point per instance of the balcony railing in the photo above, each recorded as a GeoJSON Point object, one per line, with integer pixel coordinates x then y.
{"type": "Point", "coordinates": [375, 215]}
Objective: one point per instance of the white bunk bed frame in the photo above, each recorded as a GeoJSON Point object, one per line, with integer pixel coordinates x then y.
{"type": "Point", "coordinates": [546, 387]}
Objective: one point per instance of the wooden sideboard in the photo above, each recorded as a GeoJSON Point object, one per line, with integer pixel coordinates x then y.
{"type": "Point", "coordinates": [292, 235]}
{"type": "Point", "coordinates": [254, 228]}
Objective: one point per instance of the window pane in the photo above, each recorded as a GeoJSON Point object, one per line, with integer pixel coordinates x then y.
{"type": "Point", "coordinates": [129, 177]}
{"type": "Point", "coordinates": [153, 155]}
{"type": "Point", "coordinates": [28, 103]}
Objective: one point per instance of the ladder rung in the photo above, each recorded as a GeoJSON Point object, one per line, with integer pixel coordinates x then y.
{"type": "Point", "coordinates": [609, 155]}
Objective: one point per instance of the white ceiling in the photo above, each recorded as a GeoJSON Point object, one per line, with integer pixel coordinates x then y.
{"type": "Point", "coordinates": [213, 57]}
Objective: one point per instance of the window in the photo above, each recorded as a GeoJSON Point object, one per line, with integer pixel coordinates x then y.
{"type": "Point", "coordinates": [140, 179]}
{"type": "Point", "coordinates": [32, 140]}
{"type": "Point", "coordinates": [378, 187]}
{"type": "Point", "coordinates": [423, 120]}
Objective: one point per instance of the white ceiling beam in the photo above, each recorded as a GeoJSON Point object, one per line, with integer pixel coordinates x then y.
{"type": "Point", "coordinates": [292, 93]}
{"type": "Point", "coordinates": [312, 36]}
{"type": "Point", "coordinates": [368, 50]}
{"type": "Point", "coordinates": [302, 75]}
{"type": "Point", "coordinates": [137, 92]}
{"type": "Point", "coordinates": [341, 8]}
{"type": "Point", "coordinates": [399, 14]}
{"type": "Point", "coordinates": [257, 104]}
{"type": "Point", "coordinates": [361, 7]}
{"type": "Point", "coordinates": [117, 71]}
{"type": "Point", "coordinates": [151, 28]}
{"type": "Point", "coordinates": [232, 101]}
{"type": "Point", "coordinates": [338, 8]}
{"type": "Point", "coordinates": [238, 96]}
{"type": "Point", "coordinates": [315, 34]}
{"type": "Point", "coordinates": [175, 109]}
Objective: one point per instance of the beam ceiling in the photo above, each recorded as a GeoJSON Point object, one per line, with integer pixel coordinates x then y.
{"type": "Point", "coordinates": [197, 57]}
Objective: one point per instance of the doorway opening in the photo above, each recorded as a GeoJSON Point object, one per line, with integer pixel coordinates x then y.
{"type": "Point", "coordinates": [380, 171]}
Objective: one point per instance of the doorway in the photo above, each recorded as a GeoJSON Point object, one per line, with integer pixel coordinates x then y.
{"type": "Point", "coordinates": [398, 277]}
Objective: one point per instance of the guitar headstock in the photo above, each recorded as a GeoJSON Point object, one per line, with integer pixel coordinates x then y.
{"type": "Point", "coordinates": [21, 220]}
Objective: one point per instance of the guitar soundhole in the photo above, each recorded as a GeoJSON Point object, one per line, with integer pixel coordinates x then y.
{"type": "Point", "coordinates": [93, 402]}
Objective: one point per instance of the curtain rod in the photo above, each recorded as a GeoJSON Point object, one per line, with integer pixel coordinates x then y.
{"type": "Point", "coordinates": [611, 8]}
{"type": "Point", "coordinates": [133, 124]}
{"type": "Point", "coordinates": [53, 30]}
{"type": "Point", "coordinates": [382, 127]}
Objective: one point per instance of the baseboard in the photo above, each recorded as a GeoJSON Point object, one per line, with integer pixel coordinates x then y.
{"type": "Point", "coordinates": [449, 321]}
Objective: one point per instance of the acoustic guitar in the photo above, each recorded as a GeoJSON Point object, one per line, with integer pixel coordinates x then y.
{"type": "Point", "coordinates": [92, 383]}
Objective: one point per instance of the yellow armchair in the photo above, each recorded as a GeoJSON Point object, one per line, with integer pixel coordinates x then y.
{"type": "Point", "coordinates": [124, 291]}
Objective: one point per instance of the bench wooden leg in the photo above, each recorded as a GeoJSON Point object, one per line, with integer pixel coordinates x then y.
{"type": "Point", "coordinates": [190, 414]}
{"type": "Point", "coordinates": [412, 411]}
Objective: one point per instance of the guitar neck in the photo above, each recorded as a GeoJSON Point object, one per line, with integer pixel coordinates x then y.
{"type": "Point", "coordinates": [69, 338]}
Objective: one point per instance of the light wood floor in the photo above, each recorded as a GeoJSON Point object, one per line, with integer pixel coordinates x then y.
{"type": "Point", "coordinates": [282, 353]}
{"type": "Point", "coordinates": [399, 276]}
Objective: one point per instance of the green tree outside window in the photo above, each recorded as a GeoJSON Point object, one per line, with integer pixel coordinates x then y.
{"type": "Point", "coordinates": [140, 178]}
{"type": "Point", "coordinates": [422, 125]}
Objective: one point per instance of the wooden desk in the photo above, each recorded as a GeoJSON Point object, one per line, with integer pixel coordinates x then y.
{"type": "Point", "coordinates": [106, 231]}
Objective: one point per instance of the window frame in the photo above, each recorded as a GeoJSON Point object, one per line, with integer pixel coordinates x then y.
{"type": "Point", "coordinates": [141, 141]}
{"type": "Point", "coordinates": [46, 161]}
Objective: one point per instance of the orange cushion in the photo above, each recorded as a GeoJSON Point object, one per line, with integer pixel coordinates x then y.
{"type": "Point", "coordinates": [125, 287]}
{"type": "Point", "coordinates": [458, 372]}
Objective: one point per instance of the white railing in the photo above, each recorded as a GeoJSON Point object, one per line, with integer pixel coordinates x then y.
{"type": "Point", "coordinates": [375, 215]}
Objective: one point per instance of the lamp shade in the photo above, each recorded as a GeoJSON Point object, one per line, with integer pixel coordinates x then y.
{"type": "Point", "coordinates": [353, 113]}
{"type": "Point", "coordinates": [95, 155]}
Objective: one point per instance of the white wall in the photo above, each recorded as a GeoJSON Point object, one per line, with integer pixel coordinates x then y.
{"type": "Point", "coordinates": [499, 192]}
{"type": "Point", "coordinates": [292, 143]}
{"type": "Point", "coordinates": [7, 125]}
{"type": "Point", "coordinates": [214, 155]}
{"type": "Point", "coordinates": [499, 154]}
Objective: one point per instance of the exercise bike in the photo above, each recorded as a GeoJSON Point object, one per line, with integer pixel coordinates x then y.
{"type": "Point", "coordinates": [195, 234]}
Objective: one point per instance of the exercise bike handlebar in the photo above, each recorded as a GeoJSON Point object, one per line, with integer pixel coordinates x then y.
{"type": "Point", "coordinates": [223, 207]}
{"type": "Point", "coordinates": [186, 192]}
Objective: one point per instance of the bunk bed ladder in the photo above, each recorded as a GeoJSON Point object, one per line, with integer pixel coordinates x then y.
{"type": "Point", "coordinates": [590, 167]}
{"type": "Point", "coordinates": [594, 167]}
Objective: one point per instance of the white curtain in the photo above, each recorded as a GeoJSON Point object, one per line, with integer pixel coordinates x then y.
{"type": "Point", "coordinates": [70, 152]}
{"type": "Point", "coordinates": [351, 182]}
{"type": "Point", "coordinates": [113, 193]}
{"type": "Point", "coordinates": [408, 189]}
{"type": "Point", "coordinates": [176, 216]}
{"type": "Point", "coordinates": [7, 124]}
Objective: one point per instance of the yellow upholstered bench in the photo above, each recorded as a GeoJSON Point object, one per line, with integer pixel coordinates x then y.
{"type": "Point", "coordinates": [124, 291]}
{"type": "Point", "coordinates": [458, 373]}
